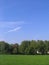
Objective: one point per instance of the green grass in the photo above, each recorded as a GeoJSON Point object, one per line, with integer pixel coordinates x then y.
{"type": "Point", "coordinates": [24, 60]}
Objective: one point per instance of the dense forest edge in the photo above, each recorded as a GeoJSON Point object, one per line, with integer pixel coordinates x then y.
{"type": "Point", "coordinates": [26, 47]}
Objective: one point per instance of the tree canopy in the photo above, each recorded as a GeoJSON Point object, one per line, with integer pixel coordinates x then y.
{"type": "Point", "coordinates": [26, 47]}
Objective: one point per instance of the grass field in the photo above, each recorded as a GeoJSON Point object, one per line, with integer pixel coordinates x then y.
{"type": "Point", "coordinates": [24, 60]}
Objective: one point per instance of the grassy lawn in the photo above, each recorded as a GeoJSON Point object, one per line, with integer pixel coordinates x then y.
{"type": "Point", "coordinates": [24, 60]}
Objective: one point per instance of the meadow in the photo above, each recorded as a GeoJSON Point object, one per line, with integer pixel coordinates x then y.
{"type": "Point", "coordinates": [24, 59]}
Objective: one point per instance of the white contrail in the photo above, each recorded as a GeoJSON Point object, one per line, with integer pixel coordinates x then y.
{"type": "Point", "coordinates": [15, 29]}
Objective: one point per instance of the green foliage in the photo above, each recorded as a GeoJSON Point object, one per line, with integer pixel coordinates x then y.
{"type": "Point", "coordinates": [26, 47]}
{"type": "Point", "coordinates": [23, 47]}
{"type": "Point", "coordinates": [4, 47]}
{"type": "Point", "coordinates": [42, 47]}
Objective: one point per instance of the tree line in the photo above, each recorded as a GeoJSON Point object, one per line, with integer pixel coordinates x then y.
{"type": "Point", "coordinates": [25, 48]}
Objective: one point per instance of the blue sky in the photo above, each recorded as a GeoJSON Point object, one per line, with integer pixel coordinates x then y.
{"type": "Point", "coordinates": [24, 20]}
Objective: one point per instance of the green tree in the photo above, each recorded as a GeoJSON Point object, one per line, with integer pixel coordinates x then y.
{"type": "Point", "coordinates": [4, 47]}
{"type": "Point", "coordinates": [33, 47]}
{"type": "Point", "coordinates": [15, 48]}
{"type": "Point", "coordinates": [42, 47]}
{"type": "Point", "coordinates": [23, 47]}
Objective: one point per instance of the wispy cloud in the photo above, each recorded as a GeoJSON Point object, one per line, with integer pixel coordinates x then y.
{"type": "Point", "coordinates": [15, 29]}
{"type": "Point", "coordinates": [10, 24]}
